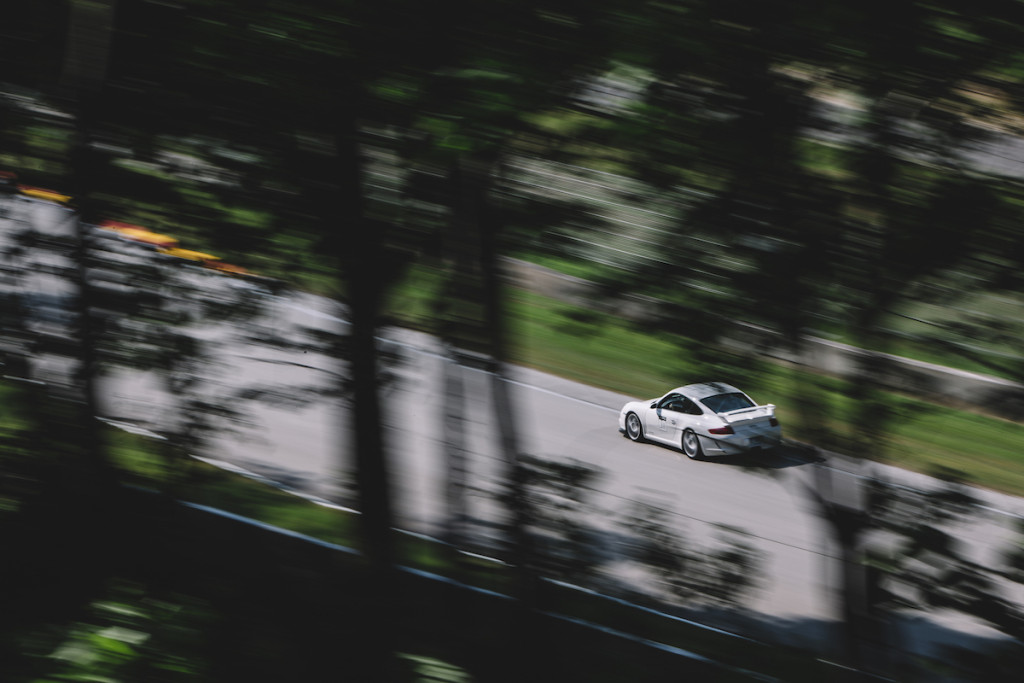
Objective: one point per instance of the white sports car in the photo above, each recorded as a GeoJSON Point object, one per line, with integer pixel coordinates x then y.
{"type": "Point", "coordinates": [703, 419]}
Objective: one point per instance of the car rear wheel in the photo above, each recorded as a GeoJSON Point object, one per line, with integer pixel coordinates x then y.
{"type": "Point", "coordinates": [634, 430]}
{"type": "Point", "coordinates": [691, 445]}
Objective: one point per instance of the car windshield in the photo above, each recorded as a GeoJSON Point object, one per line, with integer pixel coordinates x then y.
{"type": "Point", "coordinates": [723, 403]}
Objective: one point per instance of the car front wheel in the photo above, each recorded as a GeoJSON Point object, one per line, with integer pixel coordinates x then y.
{"type": "Point", "coordinates": [691, 445]}
{"type": "Point", "coordinates": [634, 430]}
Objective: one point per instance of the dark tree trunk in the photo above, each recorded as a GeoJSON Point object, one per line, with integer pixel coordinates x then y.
{"type": "Point", "coordinates": [358, 245]}
{"type": "Point", "coordinates": [84, 72]}
{"type": "Point", "coordinates": [527, 636]}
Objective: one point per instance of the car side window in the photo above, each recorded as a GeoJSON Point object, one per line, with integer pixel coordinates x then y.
{"type": "Point", "coordinates": [689, 407]}
{"type": "Point", "coordinates": [670, 402]}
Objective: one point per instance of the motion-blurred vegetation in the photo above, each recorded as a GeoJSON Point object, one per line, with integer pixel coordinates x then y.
{"type": "Point", "coordinates": [807, 167]}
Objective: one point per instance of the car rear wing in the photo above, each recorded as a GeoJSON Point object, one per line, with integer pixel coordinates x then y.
{"type": "Point", "coordinates": [748, 414]}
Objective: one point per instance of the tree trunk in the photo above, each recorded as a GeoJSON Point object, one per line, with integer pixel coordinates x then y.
{"type": "Point", "coordinates": [358, 246]}
{"type": "Point", "coordinates": [88, 44]}
{"type": "Point", "coordinates": [527, 636]}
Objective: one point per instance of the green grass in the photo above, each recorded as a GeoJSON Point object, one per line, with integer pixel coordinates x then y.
{"type": "Point", "coordinates": [591, 348]}
{"type": "Point", "coordinates": [989, 451]}
{"type": "Point", "coordinates": [1004, 310]}
{"type": "Point", "coordinates": [583, 269]}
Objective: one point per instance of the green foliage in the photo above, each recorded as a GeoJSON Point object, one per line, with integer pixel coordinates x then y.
{"type": "Point", "coordinates": [131, 635]}
{"type": "Point", "coordinates": [433, 669]}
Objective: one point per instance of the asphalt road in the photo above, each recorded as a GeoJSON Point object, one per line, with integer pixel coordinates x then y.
{"type": "Point", "coordinates": [304, 446]}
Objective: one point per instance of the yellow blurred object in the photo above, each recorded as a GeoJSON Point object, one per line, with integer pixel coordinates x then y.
{"type": "Point", "coordinates": [228, 268]}
{"type": "Point", "coordinates": [188, 254]}
{"type": "Point", "coordinates": [43, 193]}
{"type": "Point", "coordinates": [139, 234]}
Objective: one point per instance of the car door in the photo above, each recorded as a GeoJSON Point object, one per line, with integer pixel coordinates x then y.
{"type": "Point", "coordinates": [663, 419]}
{"type": "Point", "coordinates": [681, 414]}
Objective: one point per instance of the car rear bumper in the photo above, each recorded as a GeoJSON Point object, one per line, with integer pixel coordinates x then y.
{"type": "Point", "coordinates": [723, 447]}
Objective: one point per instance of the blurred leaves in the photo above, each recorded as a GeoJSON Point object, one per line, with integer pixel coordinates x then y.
{"type": "Point", "coordinates": [130, 634]}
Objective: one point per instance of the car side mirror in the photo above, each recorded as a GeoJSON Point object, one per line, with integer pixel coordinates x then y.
{"type": "Point", "coordinates": [654, 404]}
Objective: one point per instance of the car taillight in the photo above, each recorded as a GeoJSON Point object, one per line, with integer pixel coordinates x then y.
{"type": "Point", "coordinates": [773, 422]}
{"type": "Point", "coordinates": [721, 430]}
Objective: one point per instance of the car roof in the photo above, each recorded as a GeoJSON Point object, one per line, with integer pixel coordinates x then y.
{"type": "Point", "coordinates": [705, 389]}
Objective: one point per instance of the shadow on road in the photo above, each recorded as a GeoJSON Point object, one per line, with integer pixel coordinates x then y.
{"type": "Point", "coordinates": [786, 455]}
